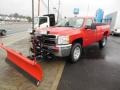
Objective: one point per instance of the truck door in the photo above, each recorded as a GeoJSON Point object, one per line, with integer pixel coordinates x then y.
{"type": "Point", "coordinates": [44, 22]}
{"type": "Point", "coordinates": [41, 22]}
{"type": "Point", "coordinates": [90, 34]}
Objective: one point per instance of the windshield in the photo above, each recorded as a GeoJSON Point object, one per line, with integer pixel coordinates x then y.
{"type": "Point", "coordinates": [74, 22]}
{"type": "Point", "coordinates": [40, 20]}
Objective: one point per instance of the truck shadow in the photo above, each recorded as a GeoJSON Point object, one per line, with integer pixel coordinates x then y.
{"type": "Point", "coordinates": [93, 53]}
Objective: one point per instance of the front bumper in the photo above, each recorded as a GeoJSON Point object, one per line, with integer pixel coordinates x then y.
{"type": "Point", "coordinates": [61, 50]}
{"type": "Point", "coordinates": [116, 32]}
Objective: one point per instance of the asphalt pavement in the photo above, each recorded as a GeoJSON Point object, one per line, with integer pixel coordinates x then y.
{"type": "Point", "coordinates": [15, 27]}
{"type": "Point", "coordinates": [96, 70]}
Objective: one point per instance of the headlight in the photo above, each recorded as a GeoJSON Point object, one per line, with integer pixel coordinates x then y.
{"type": "Point", "coordinates": [63, 40]}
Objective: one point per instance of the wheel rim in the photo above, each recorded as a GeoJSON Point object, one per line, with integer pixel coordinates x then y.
{"type": "Point", "coordinates": [3, 32]}
{"type": "Point", "coordinates": [38, 83]}
{"type": "Point", "coordinates": [104, 42]}
{"type": "Point", "coordinates": [76, 53]}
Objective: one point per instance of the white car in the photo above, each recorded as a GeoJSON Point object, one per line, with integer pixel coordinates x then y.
{"type": "Point", "coordinates": [115, 31]}
{"type": "Point", "coordinates": [2, 32]}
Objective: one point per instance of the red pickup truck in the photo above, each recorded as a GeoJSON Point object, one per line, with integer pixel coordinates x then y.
{"type": "Point", "coordinates": [69, 36]}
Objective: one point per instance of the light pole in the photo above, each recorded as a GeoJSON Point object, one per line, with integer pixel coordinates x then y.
{"type": "Point", "coordinates": [33, 15]}
{"type": "Point", "coordinates": [88, 9]}
{"type": "Point", "coordinates": [38, 7]}
{"type": "Point", "coordinates": [48, 6]}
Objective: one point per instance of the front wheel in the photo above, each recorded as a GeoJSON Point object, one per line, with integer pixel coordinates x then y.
{"type": "Point", "coordinates": [75, 53]}
{"type": "Point", "coordinates": [37, 83]}
{"type": "Point", "coordinates": [103, 42]}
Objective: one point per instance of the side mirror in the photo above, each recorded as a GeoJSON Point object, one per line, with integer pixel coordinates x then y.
{"type": "Point", "coordinates": [93, 26]}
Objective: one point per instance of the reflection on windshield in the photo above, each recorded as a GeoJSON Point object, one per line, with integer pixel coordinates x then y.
{"type": "Point", "coordinates": [74, 22]}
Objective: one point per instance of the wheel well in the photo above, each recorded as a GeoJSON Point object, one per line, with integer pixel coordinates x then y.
{"type": "Point", "coordinates": [80, 40]}
{"type": "Point", "coordinates": [105, 33]}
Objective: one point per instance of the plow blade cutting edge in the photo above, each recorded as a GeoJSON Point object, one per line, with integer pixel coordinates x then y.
{"type": "Point", "coordinates": [29, 66]}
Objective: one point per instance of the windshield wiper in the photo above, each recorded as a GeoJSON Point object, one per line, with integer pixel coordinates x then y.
{"type": "Point", "coordinates": [59, 26]}
{"type": "Point", "coordinates": [69, 26]}
{"type": "Point", "coordinates": [64, 26]}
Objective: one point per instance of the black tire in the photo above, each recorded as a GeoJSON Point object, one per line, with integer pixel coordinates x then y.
{"type": "Point", "coordinates": [112, 33]}
{"type": "Point", "coordinates": [103, 42]}
{"type": "Point", "coordinates": [3, 33]}
{"type": "Point", "coordinates": [73, 58]}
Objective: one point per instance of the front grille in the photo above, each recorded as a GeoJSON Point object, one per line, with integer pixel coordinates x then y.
{"type": "Point", "coordinates": [48, 39]}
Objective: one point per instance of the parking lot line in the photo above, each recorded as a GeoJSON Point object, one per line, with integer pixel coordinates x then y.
{"type": "Point", "coordinates": [58, 76]}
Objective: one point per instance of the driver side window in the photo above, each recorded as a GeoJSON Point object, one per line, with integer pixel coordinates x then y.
{"type": "Point", "coordinates": [89, 22]}
{"type": "Point", "coordinates": [42, 20]}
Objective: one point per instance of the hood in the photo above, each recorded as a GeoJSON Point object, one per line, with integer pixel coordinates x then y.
{"type": "Point", "coordinates": [61, 30]}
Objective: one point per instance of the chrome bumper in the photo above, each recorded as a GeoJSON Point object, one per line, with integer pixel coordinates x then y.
{"type": "Point", "coordinates": [61, 50]}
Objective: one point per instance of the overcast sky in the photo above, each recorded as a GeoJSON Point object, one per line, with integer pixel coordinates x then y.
{"type": "Point", "coordinates": [86, 6]}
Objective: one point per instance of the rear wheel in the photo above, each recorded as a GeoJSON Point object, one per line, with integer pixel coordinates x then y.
{"type": "Point", "coordinates": [103, 42]}
{"type": "Point", "coordinates": [75, 53]}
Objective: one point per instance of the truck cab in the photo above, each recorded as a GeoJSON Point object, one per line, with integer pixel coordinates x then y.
{"type": "Point", "coordinates": [44, 21]}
